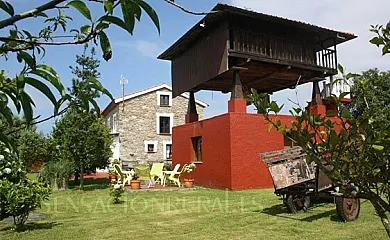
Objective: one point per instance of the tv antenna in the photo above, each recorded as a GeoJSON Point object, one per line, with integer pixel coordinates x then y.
{"type": "Point", "coordinates": [123, 81]}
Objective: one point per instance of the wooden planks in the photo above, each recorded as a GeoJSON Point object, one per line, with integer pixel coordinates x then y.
{"type": "Point", "coordinates": [205, 59]}
{"type": "Point", "coordinates": [288, 167]}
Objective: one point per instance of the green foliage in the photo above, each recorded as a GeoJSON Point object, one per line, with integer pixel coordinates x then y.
{"type": "Point", "coordinates": [83, 90]}
{"type": "Point", "coordinates": [260, 100]}
{"type": "Point", "coordinates": [12, 132]}
{"type": "Point", "coordinates": [116, 191]}
{"type": "Point", "coordinates": [7, 7]}
{"type": "Point", "coordinates": [33, 148]}
{"type": "Point", "coordinates": [189, 168]}
{"type": "Point", "coordinates": [371, 94]}
{"type": "Point", "coordinates": [262, 103]}
{"type": "Point", "coordinates": [18, 199]}
{"type": "Point", "coordinates": [382, 38]}
{"type": "Point", "coordinates": [11, 167]}
{"type": "Point", "coordinates": [57, 172]}
{"type": "Point", "coordinates": [83, 139]}
{"type": "Point", "coordinates": [349, 149]}
{"type": "Point", "coordinates": [18, 194]}
{"type": "Point", "coordinates": [29, 48]}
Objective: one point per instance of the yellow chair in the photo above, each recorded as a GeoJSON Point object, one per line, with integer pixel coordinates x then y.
{"type": "Point", "coordinates": [156, 173]}
{"type": "Point", "coordinates": [143, 173]}
{"type": "Point", "coordinates": [125, 176]}
{"type": "Point", "coordinates": [167, 174]}
{"type": "Point", "coordinates": [175, 177]}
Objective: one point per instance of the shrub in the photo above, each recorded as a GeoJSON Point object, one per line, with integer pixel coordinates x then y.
{"type": "Point", "coordinates": [20, 198]}
{"type": "Point", "coordinates": [18, 194]}
{"type": "Point", "coordinates": [57, 172]}
{"type": "Point", "coordinates": [116, 192]}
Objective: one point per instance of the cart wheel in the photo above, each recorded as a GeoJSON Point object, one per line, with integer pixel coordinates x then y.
{"type": "Point", "coordinates": [348, 209]}
{"type": "Point", "coordinates": [296, 203]}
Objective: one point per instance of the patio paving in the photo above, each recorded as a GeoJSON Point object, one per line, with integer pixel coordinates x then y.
{"type": "Point", "coordinates": [144, 188]}
{"type": "Point", "coordinates": [158, 187]}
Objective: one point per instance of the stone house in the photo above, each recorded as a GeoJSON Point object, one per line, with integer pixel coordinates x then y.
{"type": "Point", "coordinates": [141, 124]}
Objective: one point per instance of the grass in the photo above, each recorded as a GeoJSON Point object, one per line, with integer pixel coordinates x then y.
{"type": "Point", "coordinates": [197, 214]}
{"type": "Point", "coordinates": [32, 176]}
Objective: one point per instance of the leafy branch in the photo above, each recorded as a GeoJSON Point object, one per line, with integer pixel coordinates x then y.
{"type": "Point", "coordinates": [31, 13]}
{"type": "Point", "coordinates": [383, 37]}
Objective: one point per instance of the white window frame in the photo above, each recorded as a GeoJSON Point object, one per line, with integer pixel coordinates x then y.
{"type": "Point", "coordinates": [115, 123]}
{"type": "Point", "coordinates": [158, 115]}
{"type": "Point", "coordinates": [165, 143]}
{"type": "Point", "coordinates": [159, 93]}
{"type": "Point", "coordinates": [112, 121]}
{"type": "Point", "coordinates": [155, 144]}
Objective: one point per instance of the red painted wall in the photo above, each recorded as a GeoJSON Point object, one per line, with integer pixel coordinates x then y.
{"type": "Point", "coordinates": [249, 137]}
{"type": "Point", "coordinates": [231, 146]}
{"type": "Point", "coordinates": [214, 171]}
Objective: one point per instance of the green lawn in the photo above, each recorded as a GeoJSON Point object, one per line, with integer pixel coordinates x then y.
{"type": "Point", "coordinates": [195, 214]}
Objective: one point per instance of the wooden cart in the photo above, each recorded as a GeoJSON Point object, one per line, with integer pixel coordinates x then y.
{"type": "Point", "coordinates": [297, 182]}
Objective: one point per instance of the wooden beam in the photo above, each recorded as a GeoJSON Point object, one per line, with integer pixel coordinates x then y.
{"type": "Point", "coordinates": [316, 94]}
{"type": "Point", "coordinates": [192, 115]}
{"type": "Point", "coordinates": [237, 86]}
{"type": "Point", "coordinates": [191, 104]}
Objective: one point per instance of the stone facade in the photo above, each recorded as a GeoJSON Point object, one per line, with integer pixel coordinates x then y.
{"type": "Point", "coordinates": [137, 126]}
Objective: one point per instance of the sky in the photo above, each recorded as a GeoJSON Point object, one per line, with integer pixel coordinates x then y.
{"type": "Point", "coordinates": [135, 57]}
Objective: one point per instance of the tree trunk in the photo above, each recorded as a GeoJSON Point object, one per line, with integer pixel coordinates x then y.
{"type": "Point", "coordinates": [65, 183]}
{"type": "Point", "coordinates": [54, 184]}
{"type": "Point", "coordinates": [381, 211]}
{"type": "Point", "coordinates": [81, 176]}
{"type": "Point", "coordinates": [76, 178]}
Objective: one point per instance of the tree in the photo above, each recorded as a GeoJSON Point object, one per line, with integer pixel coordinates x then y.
{"type": "Point", "coordinates": [29, 47]}
{"type": "Point", "coordinates": [371, 87]}
{"type": "Point", "coordinates": [382, 38]}
{"type": "Point", "coordinates": [57, 171]}
{"type": "Point", "coordinates": [18, 194]}
{"type": "Point", "coordinates": [353, 152]}
{"type": "Point", "coordinates": [33, 148]}
{"type": "Point", "coordinates": [83, 139]}
{"type": "Point", "coordinates": [86, 68]}
{"type": "Point", "coordinates": [13, 132]}
{"type": "Point", "coordinates": [351, 147]}
{"type": "Point", "coordinates": [259, 100]}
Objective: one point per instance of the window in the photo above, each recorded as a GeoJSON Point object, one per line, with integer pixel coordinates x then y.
{"type": "Point", "coordinates": [197, 146]}
{"type": "Point", "coordinates": [150, 146]}
{"type": "Point", "coordinates": [165, 127]}
{"type": "Point", "coordinates": [114, 121]}
{"type": "Point", "coordinates": [164, 123]}
{"type": "Point", "coordinates": [164, 100]}
{"type": "Point", "coordinates": [111, 122]}
{"type": "Point", "coordinates": [167, 151]}
{"type": "Point", "coordinates": [288, 142]}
